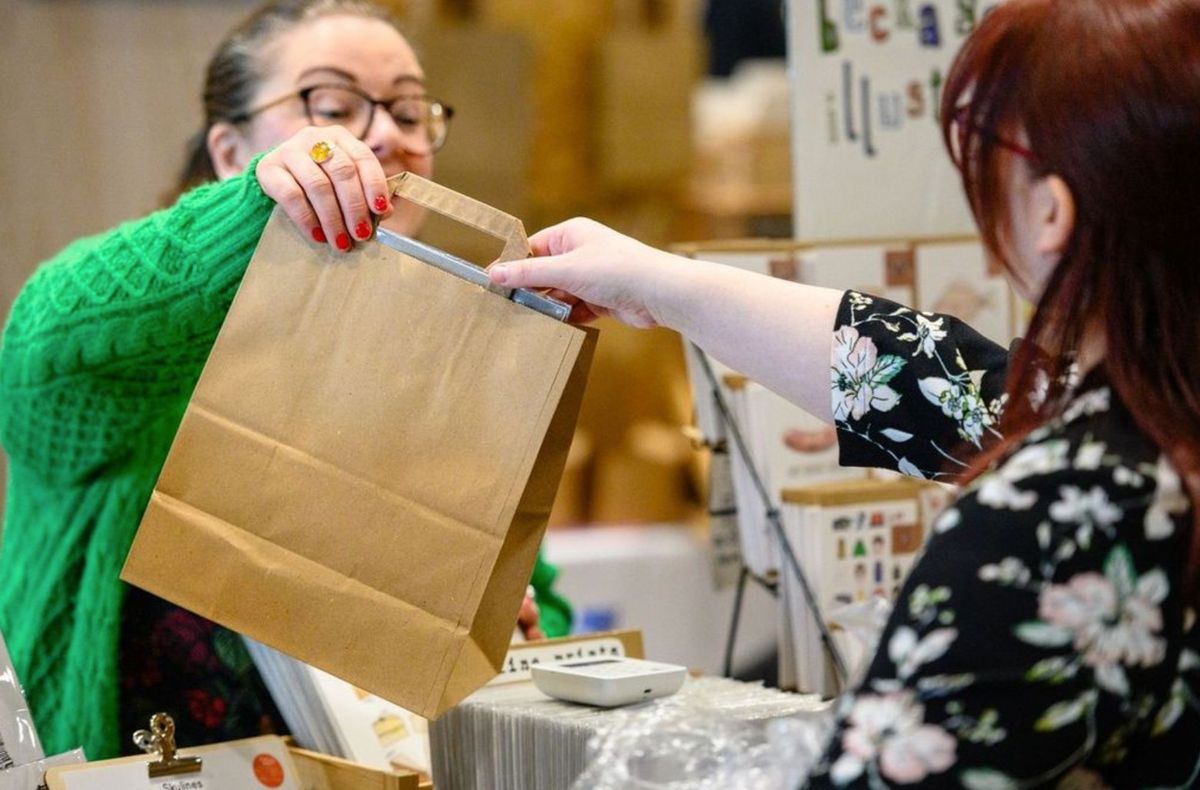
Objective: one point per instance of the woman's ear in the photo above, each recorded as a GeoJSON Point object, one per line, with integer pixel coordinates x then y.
{"type": "Point", "coordinates": [226, 148]}
{"type": "Point", "coordinates": [1056, 216]}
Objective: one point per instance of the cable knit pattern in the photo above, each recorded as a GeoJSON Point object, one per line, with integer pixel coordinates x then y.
{"type": "Point", "coordinates": [102, 350]}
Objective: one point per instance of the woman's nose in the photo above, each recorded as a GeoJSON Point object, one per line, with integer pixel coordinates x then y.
{"type": "Point", "coordinates": [387, 138]}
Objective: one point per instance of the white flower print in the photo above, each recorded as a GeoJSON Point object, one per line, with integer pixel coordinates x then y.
{"type": "Point", "coordinates": [987, 779]}
{"type": "Point", "coordinates": [998, 493]}
{"type": "Point", "coordinates": [1040, 391]}
{"type": "Point", "coordinates": [1043, 458]}
{"type": "Point", "coordinates": [1090, 455]}
{"type": "Point", "coordinates": [1112, 619]}
{"type": "Point", "coordinates": [1009, 570]}
{"type": "Point", "coordinates": [928, 335]}
{"type": "Point", "coordinates": [909, 469]}
{"type": "Point", "coordinates": [959, 401]}
{"type": "Point", "coordinates": [1085, 677]}
{"type": "Point", "coordinates": [1088, 403]}
{"type": "Point", "coordinates": [859, 300]}
{"type": "Point", "coordinates": [860, 376]}
{"type": "Point", "coordinates": [997, 405]}
{"type": "Point", "coordinates": [1039, 434]}
{"type": "Point", "coordinates": [1170, 712]}
{"type": "Point", "coordinates": [909, 654]}
{"type": "Point", "coordinates": [890, 729]}
{"type": "Point", "coordinates": [1076, 507]}
{"type": "Point", "coordinates": [1169, 500]}
{"type": "Point", "coordinates": [1124, 476]}
{"type": "Point", "coordinates": [948, 520]}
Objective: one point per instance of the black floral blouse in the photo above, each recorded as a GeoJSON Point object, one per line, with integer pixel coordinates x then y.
{"type": "Point", "coordinates": [200, 673]}
{"type": "Point", "coordinates": [1042, 639]}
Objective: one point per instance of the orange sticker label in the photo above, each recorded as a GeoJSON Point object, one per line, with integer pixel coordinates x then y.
{"type": "Point", "coordinates": [268, 771]}
{"type": "Point", "coordinates": [906, 538]}
{"type": "Point", "coordinates": [899, 268]}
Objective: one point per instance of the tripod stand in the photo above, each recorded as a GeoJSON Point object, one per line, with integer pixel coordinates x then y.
{"type": "Point", "coordinates": [738, 444]}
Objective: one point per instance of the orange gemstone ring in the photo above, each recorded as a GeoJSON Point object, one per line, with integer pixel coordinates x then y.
{"type": "Point", "coordinates": [321, 152]}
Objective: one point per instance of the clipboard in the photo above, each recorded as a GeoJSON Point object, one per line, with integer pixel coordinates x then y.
{"type": "Point", "coordinates": [253, 763]}
{"type": "Point", "coordinates": [262, 762]}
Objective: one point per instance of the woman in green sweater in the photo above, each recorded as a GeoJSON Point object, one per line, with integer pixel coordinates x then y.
{"type": "Point", "coordinates": [105, 343]}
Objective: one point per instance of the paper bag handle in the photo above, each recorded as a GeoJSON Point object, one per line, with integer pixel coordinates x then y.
{"type": "Point", "coordinates": [468, 211]}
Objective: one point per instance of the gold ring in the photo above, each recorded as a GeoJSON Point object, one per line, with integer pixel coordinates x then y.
{"type": "Point", "coordinates": [321, 152]}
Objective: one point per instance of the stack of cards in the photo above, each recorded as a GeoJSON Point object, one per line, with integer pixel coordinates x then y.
{"type": "Point", "coordinates": [856, 542]}
{"type": "Point", "coordinates": [329, 715]}
{"type": "Point", "coordinates": [513, 737]}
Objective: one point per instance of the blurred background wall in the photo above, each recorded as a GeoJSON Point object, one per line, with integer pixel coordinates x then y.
{"type": "Point", "coordinates": [564, 107]}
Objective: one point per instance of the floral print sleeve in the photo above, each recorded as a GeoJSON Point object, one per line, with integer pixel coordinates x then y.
{"type": "Point", "coordinates": [913, 392]}
{"type": "Point", "coordinates": [1043, 638]}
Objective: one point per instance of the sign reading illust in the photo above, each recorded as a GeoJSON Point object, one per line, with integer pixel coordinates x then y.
{"type": "Point", "coordinates": [867, 82]}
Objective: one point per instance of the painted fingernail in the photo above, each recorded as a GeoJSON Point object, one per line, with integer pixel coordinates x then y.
{"type": "Point", "coordinates": [318, 236]}
{"type": "Point", "coordinates": [342, 241]}
{"type": "Point", "coordinates": [381, 204]}
{"type": "Point", "coordinates": [362, 230]}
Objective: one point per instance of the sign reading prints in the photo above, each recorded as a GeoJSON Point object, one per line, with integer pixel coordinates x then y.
{"type": "Point", "coordinates": [522, 657]}
{"type": "Point", "coordinates": [867, 78]}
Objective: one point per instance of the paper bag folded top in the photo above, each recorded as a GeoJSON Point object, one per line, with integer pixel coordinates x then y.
{"type": "Point", "coordinates": [365, 470]}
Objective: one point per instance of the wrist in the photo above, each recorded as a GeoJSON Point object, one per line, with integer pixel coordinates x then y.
{"type": "Point", "coordinates": [668, 280]}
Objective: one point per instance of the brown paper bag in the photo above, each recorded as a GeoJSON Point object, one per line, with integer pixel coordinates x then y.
{"type": "Point", "coordinates": [365, 470]}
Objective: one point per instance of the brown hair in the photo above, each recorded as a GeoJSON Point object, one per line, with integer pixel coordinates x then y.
{"type": "Point", "coordinates": [237, 69]}
{"type": "Point", "coordinates": [1108, 93]}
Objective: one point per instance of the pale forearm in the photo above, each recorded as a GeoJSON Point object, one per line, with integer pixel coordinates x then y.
{"type": "Point", "coordinates": [774, 331]}
{"type": "Point", "coordinates": [777, 332]}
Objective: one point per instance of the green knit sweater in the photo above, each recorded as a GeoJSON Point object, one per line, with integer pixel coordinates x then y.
{"type": "Point", "coordinates": [102, 350]}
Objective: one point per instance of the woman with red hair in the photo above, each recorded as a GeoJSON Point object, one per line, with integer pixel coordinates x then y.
{"type": "Point", "coordinates": [1048, 633]}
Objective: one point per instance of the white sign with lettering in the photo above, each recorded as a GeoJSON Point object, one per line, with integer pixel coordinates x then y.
{"type": "Point", "coordinates": [522, 658]}
{"type": "Point", "coordinates": [867, 75]}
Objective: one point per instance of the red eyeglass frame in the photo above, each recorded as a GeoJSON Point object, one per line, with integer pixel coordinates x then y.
{"type": "Point", "coordinates": [963, 121]}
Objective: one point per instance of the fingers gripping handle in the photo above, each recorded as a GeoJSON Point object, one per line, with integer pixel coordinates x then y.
{"type": "Point", "coordinates": [468, 211]}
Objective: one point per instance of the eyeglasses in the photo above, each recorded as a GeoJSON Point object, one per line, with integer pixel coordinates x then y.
{"type": "Point", "coordinates": [424, 121]}
{"type": "Point", "coordinates": [964, 125]}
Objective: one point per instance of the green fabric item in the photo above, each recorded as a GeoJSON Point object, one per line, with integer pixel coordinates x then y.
{"type": "Point", "coordinates": [555, 613]}
{"type": "Point", "coordinates": [102, 350]}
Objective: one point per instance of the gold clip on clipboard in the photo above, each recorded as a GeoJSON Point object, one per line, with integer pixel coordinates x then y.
{"type": "Point", "coordinates": [253, 762]}
{"type": "Point", "coordinates": [160, 740]}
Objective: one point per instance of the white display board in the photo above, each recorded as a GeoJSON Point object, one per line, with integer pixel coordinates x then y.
{"type": "Point", "coordinates": [867, 154]}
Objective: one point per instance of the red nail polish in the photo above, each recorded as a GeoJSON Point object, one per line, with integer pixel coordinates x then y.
{"type": "Point", "coordinates": [381, 204]}
{"type": "Point", "coordinates": [318, 236]}
{"type": "Point", "coordinates": [362, 230]}
{"type": "Point", "coordinates": [342, 241]}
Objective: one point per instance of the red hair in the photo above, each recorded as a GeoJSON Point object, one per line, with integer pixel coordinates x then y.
{"type": "Point", "coordinates": [1108, 94]}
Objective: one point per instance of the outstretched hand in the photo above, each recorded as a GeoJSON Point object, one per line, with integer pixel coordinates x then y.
{"type": "Point", "coordinates": [593, 268]}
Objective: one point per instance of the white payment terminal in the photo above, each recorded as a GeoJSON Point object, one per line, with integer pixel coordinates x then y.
{"type": "Point", "coordinates": [609, 682]}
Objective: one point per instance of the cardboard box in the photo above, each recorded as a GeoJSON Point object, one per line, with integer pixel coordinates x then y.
{"type": "Point", "coordinates": [323, 772]}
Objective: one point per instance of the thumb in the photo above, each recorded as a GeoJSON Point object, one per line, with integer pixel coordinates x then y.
{"type": "Point", "coordinates": [551, 272]}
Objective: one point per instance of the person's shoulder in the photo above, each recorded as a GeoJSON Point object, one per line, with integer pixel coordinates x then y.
{"type": "Point", "coordinates": [1086, 487]}
{"type": "Point", "coordinates": [1093, 438]}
